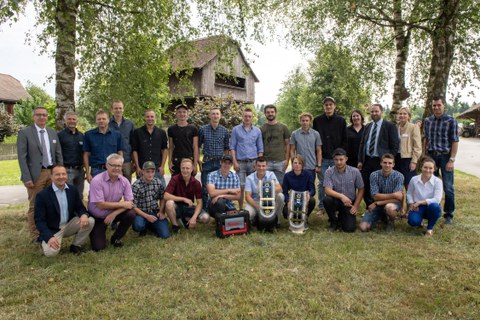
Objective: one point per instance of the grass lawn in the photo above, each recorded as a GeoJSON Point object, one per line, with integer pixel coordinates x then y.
{"type": "Point", "coordinates": [9, 173]}
{"type": "Point", "coordinates": [194, 275]}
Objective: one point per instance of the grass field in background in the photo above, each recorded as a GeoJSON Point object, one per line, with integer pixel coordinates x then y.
{"type": "Point", "coordinates": [279, 275]}
{"type": "Point", "coordinates": [9, 173]}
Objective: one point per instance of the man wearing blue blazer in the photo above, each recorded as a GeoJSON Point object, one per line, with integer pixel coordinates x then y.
{"type": "Point", "coordinates": [59, 212]}
{"type": "Point", "coordinates": [38, 150]}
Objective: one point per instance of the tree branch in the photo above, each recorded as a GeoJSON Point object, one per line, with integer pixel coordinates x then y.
{"type": "Point", "coordinates": [104, 5]}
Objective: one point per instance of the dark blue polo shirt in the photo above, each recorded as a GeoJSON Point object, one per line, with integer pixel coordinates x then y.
{"type": "Point", "coordinates": [101, 145]}
{"type": "Point", "coordinates": [72, 147]}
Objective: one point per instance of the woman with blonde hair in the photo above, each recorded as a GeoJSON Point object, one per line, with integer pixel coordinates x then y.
{"type": "Point", "coordinates": [410, 145]}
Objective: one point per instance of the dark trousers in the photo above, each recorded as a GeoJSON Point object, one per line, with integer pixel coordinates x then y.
{"type": "Point", "coordinates": [370, 165]}
{"type": "Point", "coordinates": [98, 236]}
{"type": "Point", "coordinates": [345, 220]}
{"type": "Point", "coordinates": [310, 207]}
{"type": "Point", "coordinates": [218, 207]}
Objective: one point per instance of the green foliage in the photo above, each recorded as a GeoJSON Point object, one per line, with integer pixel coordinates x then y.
{"type": "Point", "coordinates": [231, 111]}
{"type": "Point", "coordinates": [289, 102]}
{"type": "Point", "coordinates": [331, 73]}
{"type": "Point", "coordinates": [259, 109]}
{"type": "Point", "coordinates": [8, 126]}
{"type": "Point", "coordinates": [39, 97]}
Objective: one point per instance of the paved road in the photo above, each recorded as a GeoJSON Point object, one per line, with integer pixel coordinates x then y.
{"type": "Point", "coordinates": [468, 160]}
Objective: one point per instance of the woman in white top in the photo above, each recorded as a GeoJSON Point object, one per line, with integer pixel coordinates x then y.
{"type": "Point", "coordinates": [423, 197]}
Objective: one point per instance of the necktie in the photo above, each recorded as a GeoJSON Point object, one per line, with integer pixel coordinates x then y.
{"type": "Point", "coordinates": [45, 163]}
{"type": "Point", "coordinates": [373, 140]}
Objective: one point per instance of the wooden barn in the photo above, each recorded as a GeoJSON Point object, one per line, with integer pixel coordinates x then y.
{"type": "Point", "coordinates": [213, 66]}
{"type": "Point", "coordinates": [11, 92]}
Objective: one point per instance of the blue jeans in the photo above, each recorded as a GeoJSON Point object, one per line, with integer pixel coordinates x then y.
{"type": "Point", "coordinates": [95, 171]}
{"type": "Point", "coordinates": [326, 163]}
{"type": "Point", "coordinates": [207, 167]}
{"type": "Point", "coordinates": [162, 178]}
{"type": "Point", "coordinates": [431, 212]}
{"type": "Point", "coordinates": [277, 168]}
{"type": "Point", "coordinates": [447, 179]}
{"type": "Point", "coordinates": [159, 227]}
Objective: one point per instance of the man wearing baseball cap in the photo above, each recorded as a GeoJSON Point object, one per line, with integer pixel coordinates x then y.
{"type": "Point", "coordinates": [223, 186]}
{"type": "Point", "coordinates": [149, 204]}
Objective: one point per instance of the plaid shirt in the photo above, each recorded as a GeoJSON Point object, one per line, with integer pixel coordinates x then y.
{"type": "Point", "coordinates": [385, 184]}
{"type": "Point", "coordinates": [231, 182]}
{"type": "Point", "coordinates": [440, 133]}
{"type": "Point", "coordinates": [146, 195]}
{"type": "Point", "coordinates": [345, 182]}
{"type": "Point", "coordinates": [214, 141]}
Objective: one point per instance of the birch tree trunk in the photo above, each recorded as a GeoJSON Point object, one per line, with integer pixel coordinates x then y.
{"type": "Point", "coordinates": [443, 46]}
{"type": "Point", "coordinates": [66, 23]}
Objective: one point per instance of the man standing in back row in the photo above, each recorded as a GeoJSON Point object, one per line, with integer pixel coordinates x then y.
{"type": "Point", "coordinates": [125, 127]}
{"type": "Point", "coordinates": [333, 131]}
{"type": "Point", "coordinates": [441, 143]}
{"type": "Point", "coordinates": [38, 150]}
{"type": "Point", "coordinates": [276, 143]}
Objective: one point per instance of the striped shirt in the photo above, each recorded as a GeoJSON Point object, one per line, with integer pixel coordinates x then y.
{"type": "Point", "coordinates": [147, 194]}
{"type": "Point", "coordinates": [440, 133]}
{"type": "Point", "coordinates": [214, 141]}
{"type": "Point", "coordinates": [385, 184]}
{"type": "Point", "coordinates": [345, 182]}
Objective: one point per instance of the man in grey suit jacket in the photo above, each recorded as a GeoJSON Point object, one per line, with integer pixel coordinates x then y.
{"type": "Point", "coordinates": [38, 150]}
{"type": "Point", "coordinates": [379, 137]}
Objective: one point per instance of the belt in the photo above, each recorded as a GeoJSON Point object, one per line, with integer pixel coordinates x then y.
{"type": "Point", "coordinates": [45, 168]}
{"type": "Point", "coordinates": [247, 160]}
{"type": "Point", "coordinates": [208, 158]}
{"type": "Point", "coordinates": [438, 153]}
{"type": "Point", "coordinates": [72, 167]}
{"type": "Point", "coordinates": [101, 167]}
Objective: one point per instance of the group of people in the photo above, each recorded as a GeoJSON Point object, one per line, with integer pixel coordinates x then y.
{"type": "Point", "coordinates": [373, 162]}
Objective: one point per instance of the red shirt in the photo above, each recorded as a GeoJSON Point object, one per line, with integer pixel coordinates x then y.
{"type": "Point", "coordinates": [179, 188]}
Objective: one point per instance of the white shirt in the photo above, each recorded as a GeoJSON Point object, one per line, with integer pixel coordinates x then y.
{"type": "Point", "coordinates": [47, 142]}
{"type": "Point", "coordinates": [431, 191]}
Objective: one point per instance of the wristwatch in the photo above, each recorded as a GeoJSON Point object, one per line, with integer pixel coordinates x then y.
{"type": "Point", "coordinates": [452, 159]}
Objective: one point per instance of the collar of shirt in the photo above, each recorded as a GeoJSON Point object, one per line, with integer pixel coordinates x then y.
{"type": "Point", "coordinates": [379, 122]}
{"type": "Point", "coordinates": [430, 181]}
{"type": "Point", "coordinates": [305, 132]}
{"type": "Point", "coordinates": [55, 188]}
{"type": "Point", "coordinates": [97, 130]}
{"type": "Point", "coordinates": [38, 128]}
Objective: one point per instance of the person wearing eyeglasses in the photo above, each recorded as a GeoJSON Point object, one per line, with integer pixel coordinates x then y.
{"type": "Point", "coordinates": [38, 151]}
{"type": "Point", "coordinates": [110, 200]}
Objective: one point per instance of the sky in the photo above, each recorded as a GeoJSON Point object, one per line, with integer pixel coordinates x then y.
{"type": "Point", "coordinates": [272, 63]}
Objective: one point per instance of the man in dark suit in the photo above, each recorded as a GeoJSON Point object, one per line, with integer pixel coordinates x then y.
{"type": "Point", "coordinates": [59, 212]}
{"type": "Point", "coordinates": [38, 150]}
{"type": "Point", "coordinates": [379, 137]}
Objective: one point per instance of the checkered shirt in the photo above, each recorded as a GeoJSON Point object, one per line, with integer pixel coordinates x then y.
{"type": "Point", "coordinates": [345, 182]}
{"type": "Point", "coordinates": [214, 141]}
{"type": "Point", "coordinates": [146, 195]}
{"type": "Point", "coordinates": [385, 184]}
{"type": "Point", "coordinates": [231, 182]}
{"type": "Point", "coordinates": [440, 133]}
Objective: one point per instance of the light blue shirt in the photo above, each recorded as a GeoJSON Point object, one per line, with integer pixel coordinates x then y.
{"type": "Point", "coordinates": [246, 143]}
{"type": "Point", "coordinates": [62, 201]}
{"type": "Point", "coordinates": [251, 184]}
{"type": "Point", "coordinates": [379, 126]}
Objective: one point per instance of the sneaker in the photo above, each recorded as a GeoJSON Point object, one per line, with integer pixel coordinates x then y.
{"type": "Point", "coordinates": [320, 211]}
{"type": "Point", "coordinates": [429, 233]}
{"type": "Point", "coordinates": [390, 226]}
{"type": "Point", "coordinates": [76, 250]}
{"type": "Point", "coordinates": [175, 229]}
{"type": "Point", "coordinates": [142, 233]}
{"type": "Point", "coordinates": [117, 243]}
{"type": "Point", "coordinates": [448, 220]}
{"type": "Point", "coordinates": [333, 227]}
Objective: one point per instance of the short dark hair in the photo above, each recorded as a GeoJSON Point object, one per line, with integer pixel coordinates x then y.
{"type": "Point", "coordinates": [339, 152]}
{"type": "Point", "coordinates": [377, 105]}
{"type": "Point", "coordinates": [388, 156]}
{"type": "Point", "coordinates": [58, 165]}
{"type": "Point", "coordinates": [359, 112]}
{"type": "Point", "coordinates": [439, 97]}
{"type": "Point", "coordinates": [261, 159]}
{"type": "Point", "coordinates": [248, 110]}
{"type": "Point", "coordinates": [269, 106]}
